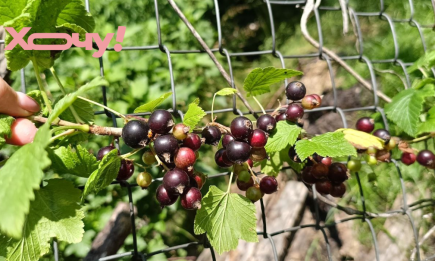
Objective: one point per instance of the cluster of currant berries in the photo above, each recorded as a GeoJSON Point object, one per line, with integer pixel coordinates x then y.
{"type": "Point", "coordinates": [425, 158]}
{"type": "Point", "coordinates": [176, 149]}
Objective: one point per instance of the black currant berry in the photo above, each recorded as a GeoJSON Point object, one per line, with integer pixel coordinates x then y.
{"type": "Point", "coordinates": [268, 185]}
{"type": "Point", "coordinates": [241, 128]}
{"type": "Point", "coordinates": [320, 171]}
{"type": "Point", "coordinates": [165, 198]}
{"type": "Point", "coordinates": [258, 138]}
{"type": "Point", "coordinates": [408, 158]}
{"type": "Point", "coordinates": [310, 102]}
{"type": "Point", "coordinates": [365, 124]}
{"type": "Point", "coordinates": [294, 112]}
{"type": "Point", "coordinates": [324, 187]}
{"type": "Point", "coordinates": [293, 155]}
{"type": "Point", "coordinates": [338, 190]}
{"type": "Point", "coordinates": [238, 151]}
{"type": "Point", "coordinates": [281, 117]}
{"type": "Point", "coordinates": [211, 135]}
{"type": "Point", "coordinates": [185, 159]}
{"type": "Point", "coordinates": [243, 186]}
{"type": "Point", "coordinates": [166, 146]}
{"type": "Point", "coordinates": [126, 170]}
{"type": "Point", "coordinates": [192, 141]}
{"type": "Point", "coordinates": [135, 134]}
{"type": "Point", "coordinates": [161, 121]}
{"type": "Point", "coordinates": [221, 159]}
{"type": "Point", "coordinates": [191, 199]}
{"type": "Point", "coordinates": [266, 123]}
{"type": "Point", "coordinates": [295, 91]}
{"type": "Point", "coordinates": [226, 140]}
{"type": "Point", "coordinates": [175, 181]}
{"type": "Point", "coordinates": [307, 175]}
{"type": "Point", "coordinates": [104, 151]}
{"type": "Point", "coordinates": [258, 154]}
{"type": "Point", "coordinates": [144, 179]}
{"type": "Point", "coordinates": [426, 158]}
{"type": "Point", "coordinates": [197, 180]}
{"type": "Point", "coordinates": [337, 173]}
{"type": "Point", "coordinates": [180, 131]}
{"type": "Point", "coordinates": [254, 193]}
{"type": "Point", "coordinates": [382, 134]}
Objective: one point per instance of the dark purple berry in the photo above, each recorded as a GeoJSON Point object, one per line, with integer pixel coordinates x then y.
{"type": "Point", "coordinates": [307, 175]}
{"type": "Point", "coordinates": [294, 112]}
{"type": "Point", "coordinates": [192, 141]}
{"type": "Point", "coordinates": [126, 170]}
{"type": "Point", "coordinates": [338, 190]}
{"type": "Point", "coordinates": [426, 158]}
{"type": "Point", "coordinates": [104, 151]}
{"type": "Point", "coordinates": [241, 128]}
{"type": "Point", "coordinates": [166, 147]}
{"type": "Point", "coordinates": [135, 134]}
{"type": "Point", "coordinates": [408, 158]}
{"type": "Point", "coordinates": [324, 187]}
{"type": "Point", "coordinates": [320, 171]}
{"type": "Point", "coordinates": [238, 151]}
{"type": "Point", "coordinates": [268, 185]}
{"type": "Point", "coordinates": [266, 123]}
{"type": "Point", "coordinates": [337, 173]}
{"type": "Point", "coordinates": [293, 155]}
{"type": "Point", "coordinates": [281, 117]}
{"type": "Point", "coordinates": [165, 198]}
{"type": "Point", "coordinates": [191, 199]}
{"type": "Point", "coordinates": [382, 134]}
{"type": "Point", "coordinates": [243, 186]}
{"type": "Point", "coordinates": [175, 181]}
{"type": "Point", "coordinates": [185, 159]}
{"type": "Point", "coordinates": [365, 124]}
{"type": "Point", "coordinates": [211, 135]}
{"type": "Point", "coordinates": [161, 121]}
{"type": "Point", "coordinates": [221, 159]}
{"type": "Point", "coordinates": [226, 140]}
{"type": "Point", "coordinates": [295, 91]}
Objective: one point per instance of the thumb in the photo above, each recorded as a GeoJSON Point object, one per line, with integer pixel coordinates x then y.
{"type": "Point", "coordinates": [16, 103]}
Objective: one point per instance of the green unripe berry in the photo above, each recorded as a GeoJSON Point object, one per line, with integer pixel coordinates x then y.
{"type": "Point", "coordinates": [148, 158]}
{"type": "Point", "coordinates": [254, 193]}
{"type": "Point", "coordinates": [244, 176]}
{"type": "Point", "coordinates": [144, 180]}
{"type": "Point", "coordinates": [371, 160]}
{"type": "Point", "coordinates": [354, 165]}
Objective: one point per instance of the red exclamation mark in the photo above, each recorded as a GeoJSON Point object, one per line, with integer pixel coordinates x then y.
{"type": "Point", "coordinates": [119, 38]}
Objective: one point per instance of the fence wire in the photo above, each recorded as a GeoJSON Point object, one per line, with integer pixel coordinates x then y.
{"type": "Point", "coordinates": [406, 208]}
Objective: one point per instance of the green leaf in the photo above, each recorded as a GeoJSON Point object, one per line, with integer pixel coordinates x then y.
{"type": "Point", "coordinates": [37, 96]}
{"type": "Point", "coordinates": [226, 91]}
{"type": "Point", "coordinates": [429, 124]}
{"type": "Point", "coordinates": [70, 98]}
{"type": "Point", "coordinates": [283, 135]}
{"type": "Point", "coordinates": [19, 177]}
{"type": "Point", "coordinates": [426, 61]}
{"type": "Point", "coordinates": [54, 213]}
{"type": "Point", "coordinates": [272, 166]}
{"type": "Point", "coordinates": [5, 128]}
{"type": "Point", "coordinates": [193, 115]}
{"type": "Point", "coordinates": [404, 110]}
{"type": "Point", "coordinates": [84, 111]}
{"type": "Point", "coordinates": [77, 161]}
{"type": "Point", "coordinates": [418, 84]}
{"type": "Point", "coordinates": [47, 16]}
{"type": "Point", "coordinates": [226, 218]}
{"type": "Point", "coordinates": [104, 175]}
{"type": "Point", "coordinates": [259, 80]}
{"type": "Point", "coordinates": [331, 144]}
{"type": "Point", "coordinates": [9, 9]}
{"type": "Point", "coordinates": [150, 106]}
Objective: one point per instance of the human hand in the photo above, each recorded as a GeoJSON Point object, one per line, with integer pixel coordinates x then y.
{"type": "Point", "coordinates": [18, 105]}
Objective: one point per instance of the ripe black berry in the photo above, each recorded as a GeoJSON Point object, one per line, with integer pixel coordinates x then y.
{"type": "Point", "coordinates": [221, 159]}
{"type": "Point", "coordinates": [295, 91]}
{"type": "Point", "coordinates": [192, 141]}
{"type": "Point", "coordinates": [211, 135]}
{"type": "Point", "coordinates": [243, 186]}
{"type": "Point", "coordinates": [294, 112]}
{"type": "Point", "coordinates": [185, 159]}
{"type": "Point", "coordinates": [104, 151]}
{"type": "Point", "coordinates": [307, 175]}
{"type": "Point", "coordinates": [166, 147]}
{"type": "Point", "coordinates": [365, 124]}
{"type": "Point", "coordinates": [175, 181]}
{"type": "Point", "coordinates": [281, 117]}
{"type": "Point", "coordinates": [382, 134]}
{"type": "Point", "coordinates": [238, 151]}
{"type": "Point", "coordinates": [320, 171]}
{"type": "Point", "coordinates": [310, 102]}
{"type": "Point", "coordinates": [144, 180]}
{"type": "Point", "coordinates": [258, 138]}
{"type": "Point", "coordinates": [426, 158]}
{"type": "Point", "coordinates": [324, 187]}
{"type": "Point", "coordinates": [135, 134]}
{"type": "Point", "coordinates": [226, 140]}
{"type": "Point", "coordinates": [268, 185]}
{"type": "Point", "coordinates": [180, 131]}
{"type": "Point", "coordinates": [266, 123]}
{"type": "Point", "coordinates": [258, 154]}
{"type": "Point", "coordinates": [161, 121]}
{"type": "Point", "coordinates": [293, 155]}
{"type": "Point", "coordinates": [165, 198]}
{"type": "Point", "coordinates": [337, 173]}
{"type": "Point", "coordinates": [191, 199]}
{"type": "Point", "coordinates": [408, 158]}
{"type": "Point", "coordinates": [126, 170]}
{"type": "Point", "coordinates": [338, 190]}
{"type": "Point", "coordinates": [254, 193]}
{"type": "Point", "coordinates": [241, 128]}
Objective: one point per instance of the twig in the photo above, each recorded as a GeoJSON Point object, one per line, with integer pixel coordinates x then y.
{"type": "Point", "coordinates": [94, 129]}
{"type": "Point", "coordinates": [309, 7]}
{"type": "Point", "coordinates": [424, 238]}
{"type": "Point", "coordinates": [210, 53]}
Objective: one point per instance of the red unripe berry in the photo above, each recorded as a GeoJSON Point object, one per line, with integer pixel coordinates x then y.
{"type": "Point", "coordinates": [365, 124]}
{"type": "Point", "coordinates": [185, 159]}
{"type": "Point", "coordinates": [197, 180]}
{"type": "Point", "coordinates": [243, 186]}
{"type": "Point", "coordinates": [268, 185]}
{"type": "Point", "coordinates": [191, 199]}
{"type": "Point", "coordinates": [310, 102]}
{"type": "Point", "coordinates": [294, 112]}
{"type": "Point", "coordinates": [192, 141]}
{"type": "Point", "coordinates": [258, 138]}
{"type": "Point", "coordinates": [408, 158]}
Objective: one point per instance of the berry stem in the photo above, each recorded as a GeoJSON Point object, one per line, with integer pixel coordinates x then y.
{"type": "Point", "coordinates": [229, 182]}
{"type": "Point", "coordinates": [259, 104]}
{"type": "Point", "coordinates": [212, 108]}
{"type": "Point", "coordinates": [431, 135]}
{"type": "Point", "coordinates": [83, 128]}
{"type": "Point", "coordinates": [160, 163]}
{"type": "Point", "coordinates": [105, 107]}
{"type": "Point", "coordinates": [254, 177]}
{"type": "Point", "coordinates": [59, 83]}
{"type": "Point", "coordinates": [41, 86]}
{"type": "Point", "coordinates": [131, 153]}
{"type": "Point", "coordinates": [65, 133]}
{"type": "Point", "coordinates": [139, 165]}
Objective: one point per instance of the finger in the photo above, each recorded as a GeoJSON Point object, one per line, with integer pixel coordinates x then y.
{"type": "Point", "coordinates": [23, 132]}
{"type": "Point", "coordinates": [16, 103]}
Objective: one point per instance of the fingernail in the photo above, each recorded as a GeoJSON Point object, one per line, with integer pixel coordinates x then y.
{"type": "Point", "coordinates": [27, 103]}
